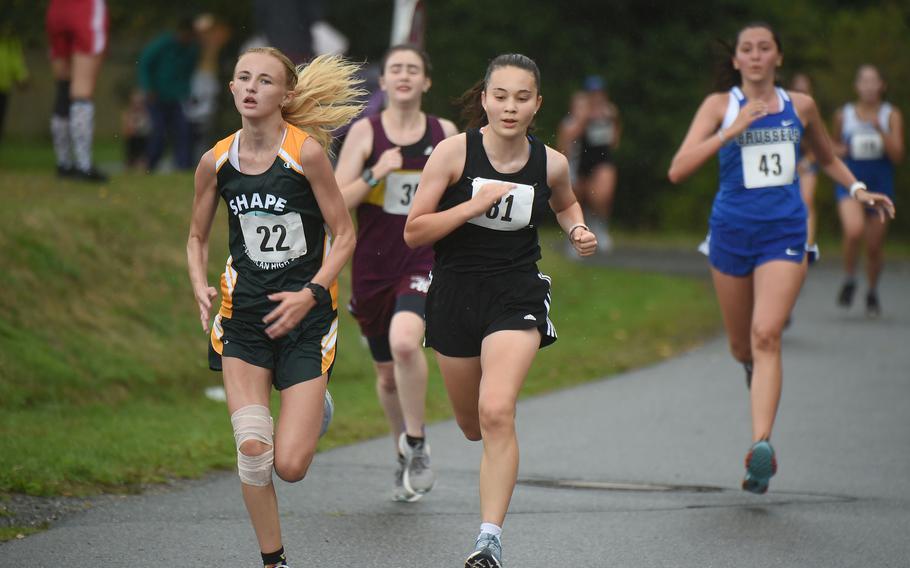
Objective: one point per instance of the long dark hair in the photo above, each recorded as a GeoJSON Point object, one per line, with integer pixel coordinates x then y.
{"type": "Point", "coordinates": [472, 113]}
{"type": "Point", "coordinates": [726, 76]}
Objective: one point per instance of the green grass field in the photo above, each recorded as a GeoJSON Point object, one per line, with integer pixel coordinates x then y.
{"type": "Point", "coordinates": [103, 365]}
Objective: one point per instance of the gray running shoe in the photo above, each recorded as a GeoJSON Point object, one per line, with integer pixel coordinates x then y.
{"type": "Point", "coordinates": [328, 410]}
{"type": "Point", "coordinates": [418, 477]}
{"type": "Point", "coordinates": [401, 494]}
{"type": "Point", "coordinates": [487, 552]}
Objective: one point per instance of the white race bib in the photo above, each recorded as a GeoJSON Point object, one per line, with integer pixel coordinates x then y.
{"type": "Point", "coordinates": [768, 165]}
{"type": "Point", "coordinates": [599, 132]}
{"type": "Point", "coordinates": [511, 213]}
{"type": "Point", "coordinates": [400, 188]}
{"type": "Point", "coordinates": [867, 146]}
{"type": "Point", "coordinates": [273, 238]}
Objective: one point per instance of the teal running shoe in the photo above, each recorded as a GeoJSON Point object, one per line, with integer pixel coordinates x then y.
{"type": "Point", "coordinates": [761, 465]}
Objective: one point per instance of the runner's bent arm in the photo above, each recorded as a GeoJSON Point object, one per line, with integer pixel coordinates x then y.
{"type": "Point", "coordinates": [563, 203]}
{"type": "Point", "coordinates": [353, 155]}
{"type": "Point", "coordinates": [894, 138]}
{"type": "Point", "coordinates": [700, 143]}
{"type": "Point", "coordinates": [448, 128]}
{"type": "Point", "coordinates": [827, 160]}
{"type": "Point", "coordinates": [205, 203]}
{"type": "Point", "coordinates": [840, 148]}
{"type": "Point", "coordinates": [704, 139]}
{"type": "Point", "coordinates": [426, 225]}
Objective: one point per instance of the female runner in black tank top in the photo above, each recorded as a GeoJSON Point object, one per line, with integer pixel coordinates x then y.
{"type": "Point", "coordinates": [481, 196]}
{"type": "Point", "coordinates": [279, 290]}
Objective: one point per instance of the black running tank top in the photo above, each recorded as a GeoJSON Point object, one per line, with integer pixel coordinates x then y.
{"type": "Point", "coordinates": [276, 231]}
{"type": "Point", "coordinates": [504, 238]}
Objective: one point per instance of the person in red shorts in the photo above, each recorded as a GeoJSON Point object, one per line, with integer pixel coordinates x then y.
{"type": "Point", "coordinates": [378, 170]}
{"type": "Point", "coordinates": [77, 32]}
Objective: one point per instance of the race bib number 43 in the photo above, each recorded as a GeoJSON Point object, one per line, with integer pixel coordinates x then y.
{"type": "Point", "coordinates": [273, 238]}
{"type": "Point", "coordinates": [400, 188]}
{"type": "Point", "coordinates": [511, 213]}
{"type": "Point", "coordinates": [768, 165]}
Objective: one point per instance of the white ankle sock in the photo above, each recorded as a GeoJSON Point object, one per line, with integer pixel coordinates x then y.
{"type": "Point", "coordinates": [490, 528]}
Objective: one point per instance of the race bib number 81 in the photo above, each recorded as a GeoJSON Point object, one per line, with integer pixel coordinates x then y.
{"type": "Point", "coordinates": [273, 238]}
{"type": "Point", "coordinates": [400, 188]}
{"type": "Point", "coordinates": [511, 213]}
{"type": "Point", "coordinates": [768, 165]}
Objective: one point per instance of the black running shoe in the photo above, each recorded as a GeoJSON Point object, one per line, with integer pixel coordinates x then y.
{"type": "Point", "coordinates": [93, 175]}
{"type": "Point", "coordinates": [65, 171]}
{"type": "Point", "coordinates": [873, 308]}
{"type": "Point", "coordinates": [845, 298]}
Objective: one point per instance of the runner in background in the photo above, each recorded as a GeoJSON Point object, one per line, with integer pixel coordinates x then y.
{"type": "Point", "coordinates": [869, 135]}
{"type": "Point", "coordinates": [592, 131]}
{"type": "Point", "coordinates": [378, 171]}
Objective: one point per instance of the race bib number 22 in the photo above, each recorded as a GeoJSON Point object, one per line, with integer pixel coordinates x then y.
{"type": "Point", "coordinates": [273, 238]}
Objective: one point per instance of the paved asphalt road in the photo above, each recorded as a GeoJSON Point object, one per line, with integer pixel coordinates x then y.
{"type": "Point", "coordinates": [677, 432]}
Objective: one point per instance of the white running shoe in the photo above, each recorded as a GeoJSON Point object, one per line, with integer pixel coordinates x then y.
{"type": "Point", "coordinates": [417, 477]}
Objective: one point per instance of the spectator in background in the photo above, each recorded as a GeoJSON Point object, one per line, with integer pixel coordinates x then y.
{"type": "Point", "coordinates": [166, 68]}
{"type": "Point", "coordinates": [135, 126]}
{"type": "Point", "coordinates": [12, 70]}
{"type": "Point", "coordinates": [594, 128]}
{"type": "Point", "coordinates": [77, 34]}
{"type": "Point", "coordinates": [205, 87]}
{"type": "Point", "coordinates": [285, 24]}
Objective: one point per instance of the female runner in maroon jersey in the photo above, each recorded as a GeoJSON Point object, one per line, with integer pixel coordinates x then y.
{"type": "Point", "coordinates": [378, 170]}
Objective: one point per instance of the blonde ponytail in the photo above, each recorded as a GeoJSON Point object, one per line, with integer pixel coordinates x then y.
{"type": "Point", "coordinates": [326, 94]}
{"type": "Point", "coordinates": [326, 97]}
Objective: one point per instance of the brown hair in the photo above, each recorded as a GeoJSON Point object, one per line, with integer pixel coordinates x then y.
{"type": "Point", "coordinates": [726, 76]}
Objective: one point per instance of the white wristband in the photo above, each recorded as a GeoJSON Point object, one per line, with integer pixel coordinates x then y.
{"type": "Point", "coordinates": [574, 227]}
{"type": "Point", "coordinates": [720, 134]}
{"type": "Point", "coordinates": [856, 186]}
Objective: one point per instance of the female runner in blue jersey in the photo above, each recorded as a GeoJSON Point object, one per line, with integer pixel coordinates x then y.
{"type": "Point", "coordinates": [869, 136]}
{"type": "Point", "coordinates": [758, 222]}
{"type": "Point", "coordinates": [290, 235]}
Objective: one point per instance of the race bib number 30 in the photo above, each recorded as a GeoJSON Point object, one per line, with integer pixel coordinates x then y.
{"type": "Point", "coordinates": [400, 188]}
{"type": "Point", "coordinates": [867, 146]}
{"type": "Point", "coordinates": [511, 213]}
{"type": "Point", "coordinates": [768, 165]}
{"type": "Point", "coordinates": [273, 238]}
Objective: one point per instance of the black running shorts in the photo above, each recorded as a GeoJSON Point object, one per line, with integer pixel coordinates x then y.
{"type": "Point", "coordinates": [463, 309]}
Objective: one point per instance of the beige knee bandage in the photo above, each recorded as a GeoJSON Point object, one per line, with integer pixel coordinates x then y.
{"type": "Point", "coordinates": [254, 422]}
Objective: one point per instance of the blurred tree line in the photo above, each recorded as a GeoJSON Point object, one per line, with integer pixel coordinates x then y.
{"type": "Point", "coordinates": [657, 57]}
